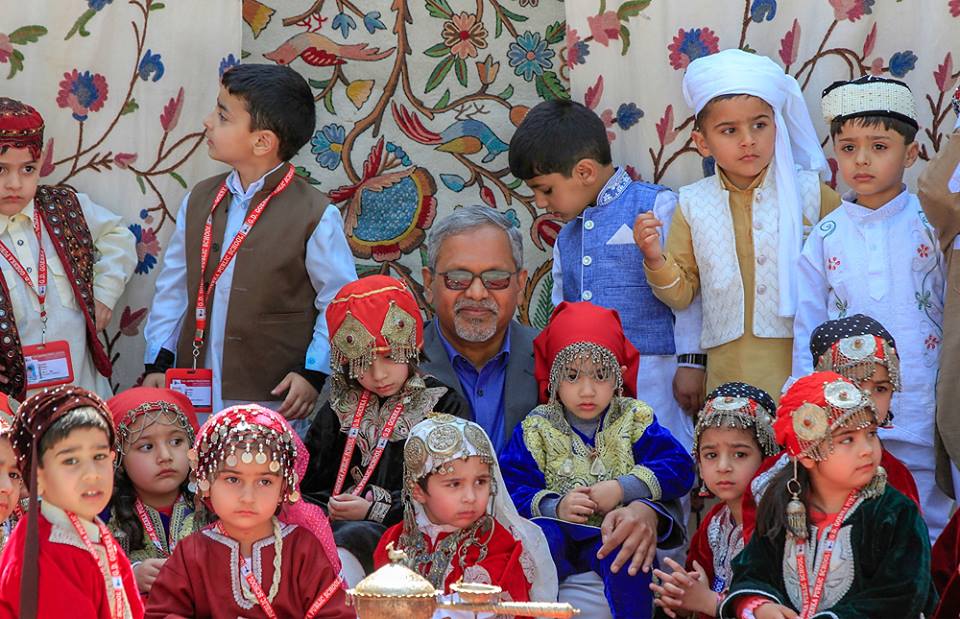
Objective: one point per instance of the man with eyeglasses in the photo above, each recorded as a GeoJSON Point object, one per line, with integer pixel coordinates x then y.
{"type": "Point", "coordinates": [473, 279]}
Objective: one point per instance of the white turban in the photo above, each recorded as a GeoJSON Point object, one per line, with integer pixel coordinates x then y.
{"type": "Point", "coordinates": [735, 71]}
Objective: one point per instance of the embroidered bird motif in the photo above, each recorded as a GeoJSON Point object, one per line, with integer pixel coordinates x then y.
{"type": "Point", "coordinates": [465, 137]}
{"type": "Point", "coordinates": [319, 51]}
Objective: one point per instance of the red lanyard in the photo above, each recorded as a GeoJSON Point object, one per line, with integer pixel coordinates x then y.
{"type": "Point", "coordinates": [205, 244]}
{"type": "Point", "coordinates": [150, 530]}
{"type": "Point", "coordinates": [810, 601]}
{"type": "Point", "coordinates": [352, 443]}
{"type": "Point", "coordinates": [110, 545]}
{"type": "Point", "coordinates": [324, 597]}
{"type": "Point", "coordinates": [41, 288]}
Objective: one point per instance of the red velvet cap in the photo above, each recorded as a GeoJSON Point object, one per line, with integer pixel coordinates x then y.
{"type": "Point", "coordinates": [21, 126]}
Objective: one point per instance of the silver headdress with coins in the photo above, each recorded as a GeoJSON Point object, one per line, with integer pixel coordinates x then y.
{"type": "Point", "coordinates": [572, 358]}
{"type": "Point", "coordinates": [739, 405]}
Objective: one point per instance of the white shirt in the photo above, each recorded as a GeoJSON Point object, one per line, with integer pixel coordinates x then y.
{"type": "Point", "coordinates": [115, 258]}
{"type": "Point", "coordinates": [329, 263]}
{"type": "Point", "coordinates": [887, 264]}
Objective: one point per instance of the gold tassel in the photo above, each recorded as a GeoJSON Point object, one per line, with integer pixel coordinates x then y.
{"type": "Point", "coordinates": [796, 510]}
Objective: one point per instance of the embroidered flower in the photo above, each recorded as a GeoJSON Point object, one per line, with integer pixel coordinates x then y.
{"type": "Point", "coordinates": [464, 34]}
{"type": "Point", "coordinates": [344, 23]}
{"type": "Point", "coordinates": [151, 67]}
{"type": "Point", "coordinates": [923, 250]}
{"type": "Point", "coordinates": [851, 9]}
{"type": "Point", "coordinates": [833, 263]}
{"type": "Point", "coordinates": [763, 10]}
{"type": "Point", "coordinates": [98, 5]}
{"type": "Point", "coordinates": [902, 63]}
{"type": "Point", "coordinates": [227, 62]}
{"type": "Point", "coordinates": [691, 44]}
{"type": "Point", "coordinates": [604, 27]}
{"type": "Point", "coordinates": [372, 22]}
{"type": "Point", "coordinates": [577, 50]}
{"type": "Point", "coordinates": [931, 342]}
{"type": "Point", "coordinates": [327, 143]}
{"type": "Point", "coordinates": [6, 48]}
{"type": "Point", "coordinates": [533, 3]}
{"type": "Point", "coordinates": [955, 8]}
{"type": "Point", "coordinates": [148, 248]}
{"type": "Point", "coordinates": [82, 92]}
{"type": "Point", "coordinates": [529, 56]}
{"type": "Point", "coordinates": [628, 114]}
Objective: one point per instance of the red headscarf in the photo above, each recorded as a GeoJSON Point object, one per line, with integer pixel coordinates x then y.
{"type": "Point", "coordinates": [374, 313]}
{"type": "Point", "coordinates": [21, 126]}
{"type": "Point", "coordinates": [571, 323]}
{"type": "Point", "coordinates": [127, 405]}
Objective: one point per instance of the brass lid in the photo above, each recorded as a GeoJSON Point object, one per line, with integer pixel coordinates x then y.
{"type": "Point", "coordinates": [394, 580]}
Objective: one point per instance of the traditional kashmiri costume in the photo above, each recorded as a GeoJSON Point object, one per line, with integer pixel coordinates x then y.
{"type": "Point", "coordinates": [852, 347]}
{"type": "Point", "coordinates": [375, 314]}
{"type": "Point", "coordinates": [155, 532]}
{"type": "Point", "coordinates": [6, 429]}
{"type": "Point", "coordinates": [719, 538]}
{"type": "Point", "coordinates": [738, 247]}
{"type": "Point", "coordinates": [870, 559]}
{"type": "Point", "coordinates": [57, 564]}
{"type": "Point", "coordinates": [292, 573]}
{"type": "Point", "coordinates": [501, 548]}
{"type": "Point", "coordinates": [89, 253]}
{"type": "Point", "coordinates": [552, 452]}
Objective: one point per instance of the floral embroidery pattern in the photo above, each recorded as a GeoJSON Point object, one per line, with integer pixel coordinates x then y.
{"type": "Point", "coordinates": [833, 263]}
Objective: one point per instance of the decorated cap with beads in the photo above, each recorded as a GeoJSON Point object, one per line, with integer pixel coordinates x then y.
{"type": "Point", "coordinates": [869, 96]}
{"type": "Point", "coordinates": [739, 405]}
{"type": "Point", "coordinates": [249, 434]}
{"type": "Point", "coordinates": [440, 439]}
{"type": "Point", "coordinates": [166, 406]}
{"type": "Point", "coordinates": [21, 126]}
{"type": "Point", "coordinates": [814, 407]}
{"type": "Point", "coordinates": [853, 347]}
{"type": "Point", "coordinates": [375, 314]}
{"type": "Point", "coordinates": [583, 330]}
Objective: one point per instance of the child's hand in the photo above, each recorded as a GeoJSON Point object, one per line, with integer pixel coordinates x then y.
{"type": "Point", "coordinates": [608, 495]}
{"type": "Point", "coordinates": [647, 237]}
{"type": "Point", "coordinates": [682, 590]}
{"type": "Point", "coordinates": [348, 507]}
{"type": "Point", "coordinates": [146, 572]}
{"type": "Point", "coordinates": [775, 611]}
{"type": "Point", "coordinates": [576, 505]}
{"type": "Point", "coordinates": [155, 379]}
{"type": "Point", "coordinates": [301, 396]}
{"type": "Point", "coordinates": [102, 315]}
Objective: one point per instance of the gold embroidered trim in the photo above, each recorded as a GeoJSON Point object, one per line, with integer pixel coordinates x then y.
{"type": "Point", "coordinates": [537, 499]}
{"type": "Point", "coordinates": [648, 477]}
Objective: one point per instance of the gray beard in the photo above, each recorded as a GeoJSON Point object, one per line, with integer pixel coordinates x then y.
{"type": "Point", "coordinates": [476, 331]}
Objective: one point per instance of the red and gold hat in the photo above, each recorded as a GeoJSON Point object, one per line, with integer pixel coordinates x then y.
{"type": "Point", "coordinates": [375, 314]}
{"type": "Point", "coordinates": [814, 407]}
{"type": "Point", "coordinates": [21, 126]}
{"type": "Point", "coordinates": [166, 405]}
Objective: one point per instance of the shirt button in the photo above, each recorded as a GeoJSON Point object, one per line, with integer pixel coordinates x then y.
{"type": "Point", "coordinates": [587, 295]}
{"type": "Point", "coordinates": [29, 269]}
{"type": "Point", "coordinates": [761, 259]}
{"type": "Point", "coordinates": [761, 289]}
{"type": "Point", "coordinates": [480, 392]}
{"type": "Point", "coordinates": [588, 224]}
{"type": "Point", "coordinates": [758, 194]}
{"type": "Point", "coordinates": [587, 261]}
{"type": "Point", "coordinates": [20, 242]}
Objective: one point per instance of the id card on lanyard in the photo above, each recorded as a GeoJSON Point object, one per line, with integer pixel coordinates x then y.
{"type": "Point", "coordinates": [47, 363]}
{"type": "Point", "coordinates": [197, 383]}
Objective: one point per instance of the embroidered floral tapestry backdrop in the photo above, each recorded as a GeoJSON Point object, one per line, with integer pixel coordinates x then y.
{"type": "Point", "coordinates": [417, 99]}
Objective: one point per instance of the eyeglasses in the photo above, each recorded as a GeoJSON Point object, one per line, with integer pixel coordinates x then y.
{"type": "Point", "coordinates": [462, 279]}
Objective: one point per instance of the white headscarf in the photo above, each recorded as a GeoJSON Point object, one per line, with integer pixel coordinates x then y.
{"type": "Point", "coordinates": [440, 439]}
{"type": "Point", "coordinates": [735, 71]}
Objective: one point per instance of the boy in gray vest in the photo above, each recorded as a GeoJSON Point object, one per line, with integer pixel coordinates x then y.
{"type": "Point", "coordinates": [562, 152]}
{"type": "Point", "coordinates": [736, 236]}
{"type": "Point", "coordinates": [256, 256]}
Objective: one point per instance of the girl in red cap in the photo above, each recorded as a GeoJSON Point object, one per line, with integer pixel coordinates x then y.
{"type": "Point", "coordinates": [377, 394]}
{"type": "Point", "coordinates": [833, 539]}
{"type": "Point", "coordinates": [152, 505]}
{"type": "Point", "coordinates": [589, 448]}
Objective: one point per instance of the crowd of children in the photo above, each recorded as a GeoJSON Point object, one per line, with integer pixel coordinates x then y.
{"type": "Point", "coordinates": [817, 323]}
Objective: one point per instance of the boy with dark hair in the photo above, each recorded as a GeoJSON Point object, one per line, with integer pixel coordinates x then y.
{"type": "Point", "coordinates": [562, 152]}
{"type": "Point", "coordinates": [62, 560]}
{"type": "Point", "coordinates": [737, 235]}
{"type": "Point", "coordinates": [252, 277]}
{"type": "Point", "coordinates": [878, 255]}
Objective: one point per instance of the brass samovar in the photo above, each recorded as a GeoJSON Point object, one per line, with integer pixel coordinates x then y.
{"type": "Point", "coordinates": [397, 591]}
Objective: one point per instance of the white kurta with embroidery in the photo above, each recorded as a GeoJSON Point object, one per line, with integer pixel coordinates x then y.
{"type": "Point", "coordinates": [884, 263]}
{"type": "Point", "coordinates": [115, 259]}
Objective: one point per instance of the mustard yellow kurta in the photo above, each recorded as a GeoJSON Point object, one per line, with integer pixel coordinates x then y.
{"type": "Point", "coordinates": [759, 361]}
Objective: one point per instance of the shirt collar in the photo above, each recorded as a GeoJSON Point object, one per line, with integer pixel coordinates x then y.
{"type": "Point", "coordinates": [27, 212]}
{"type": "Point", "coordinates": [58, 518]}
{"type": "Point", "coordinates": [615, 186]}
{"type": "Point", "coordinates": [236, 187]}
{"type": "Point", "coordinates": [862, 214]}
{"type": "Point", "coordinates": [452, 352]}
{"type": "Point", "coordinates": [728, 185]}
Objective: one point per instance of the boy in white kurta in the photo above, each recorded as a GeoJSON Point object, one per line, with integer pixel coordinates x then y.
{"type": "Point", "coordinates": [878, 255]}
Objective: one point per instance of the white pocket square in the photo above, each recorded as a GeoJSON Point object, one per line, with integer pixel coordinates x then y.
{"type": "Point", "coordinates": [623, 236]}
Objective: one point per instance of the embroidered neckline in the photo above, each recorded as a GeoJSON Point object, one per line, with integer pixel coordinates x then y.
{"type": "Point", "coordinates": [862, 214]}
{"type": "Point", "coordinates": [236, 581]}
{"type": "Point", "coordinates": [615, 186]}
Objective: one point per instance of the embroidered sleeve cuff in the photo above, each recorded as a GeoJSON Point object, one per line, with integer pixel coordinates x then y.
{"type": "Point", "coordinates": [382, 500]}
{"type": "Point", "coordinates": [647, 476]}
{"type": "Point", "coordinates": [633, 489]}
{"type": "Point", "coordinates": [666, 276]}
{"type": "Point", "coordinates": [743, 603]}
{"type": "Point", "coordinates": [535, 509]}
